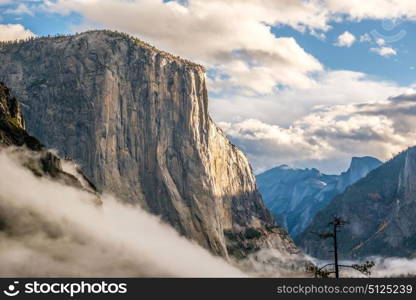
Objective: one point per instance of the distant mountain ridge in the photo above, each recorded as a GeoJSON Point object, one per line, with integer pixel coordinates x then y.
{"type": "Point", "coordinates": [380, 209]}
{"type": "Point", "coordinates": [294, 196]}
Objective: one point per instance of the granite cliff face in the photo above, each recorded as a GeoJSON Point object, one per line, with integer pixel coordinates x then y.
{"type": "Point", "coordinates": [136, 120]}
{"type": "Point", "coordinates": [380, 209]}
{"type": "Point", "coordinates": [295, 196]}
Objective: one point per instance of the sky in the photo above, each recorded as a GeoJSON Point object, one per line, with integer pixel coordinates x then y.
{"type": "Point", "coordinates": [303, 83]}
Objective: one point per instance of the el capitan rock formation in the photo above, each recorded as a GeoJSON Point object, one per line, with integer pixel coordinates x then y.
{"type": "Point", "coordinates": [136, 119]}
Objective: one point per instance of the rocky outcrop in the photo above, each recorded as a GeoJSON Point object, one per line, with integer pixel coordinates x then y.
{"type": "Point", "coordinates": [380, 210]}
{"type": "Point", "coordinates": [295, 196]}
{"type": "Point", "coordinates": [29, 151]}
{"type": "Point", "coordinates": [136, 119]}
{"type": "Point", "coordinates": [12, 128]}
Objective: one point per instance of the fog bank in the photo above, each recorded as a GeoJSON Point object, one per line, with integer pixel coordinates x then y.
{"type": "Point", "coordinates": [48, 229]}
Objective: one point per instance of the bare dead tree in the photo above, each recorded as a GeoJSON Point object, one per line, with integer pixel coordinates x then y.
{"type": "Point", "coordinates": [336, 223]}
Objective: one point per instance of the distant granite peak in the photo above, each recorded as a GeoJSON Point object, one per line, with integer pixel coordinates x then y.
{"type": "Point", "coordinates": [359, 168]}
{"type": "Point", "coordinates": [365, 162]}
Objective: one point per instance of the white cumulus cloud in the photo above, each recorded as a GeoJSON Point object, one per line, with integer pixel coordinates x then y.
{"type": "Point", "coordinates": [287, 105]}
{"type": "Point", "coordinates": [327, 135]}
{"type": "Point", "coordinates": [234, 38]}
{"type": "Point", "coordinates": [347, 39]}
{"type": "Point", "coordinates": [384, 51]}
{"type": "Point", "coordinates": [10, 32]}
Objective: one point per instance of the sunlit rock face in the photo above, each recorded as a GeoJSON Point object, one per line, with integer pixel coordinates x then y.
{"type": "Point", "coordinates": [136, 120]}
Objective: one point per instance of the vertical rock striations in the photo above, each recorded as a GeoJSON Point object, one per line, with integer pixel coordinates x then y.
{"type": "Point", "coordinates": [137, 121]}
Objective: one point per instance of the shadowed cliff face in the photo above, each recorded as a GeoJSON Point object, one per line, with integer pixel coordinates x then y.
{"type": "Point", "coordinates": [12, 127]}
{"type": "Point", "coordinates": [30, 153]}
{"type": "Point", "coordinates": [136, 119]}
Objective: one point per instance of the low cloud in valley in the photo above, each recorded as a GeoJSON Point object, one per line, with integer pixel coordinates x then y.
{"type": "Point", "coordinates": [49, 229]}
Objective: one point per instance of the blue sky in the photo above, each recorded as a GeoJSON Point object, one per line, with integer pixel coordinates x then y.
{"type": "Point", "coordinates": [358, 57]}
{"type": "Point", "coordinates": [41, 23]}
{"type": "Point", "coordinates": [288, 79]}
